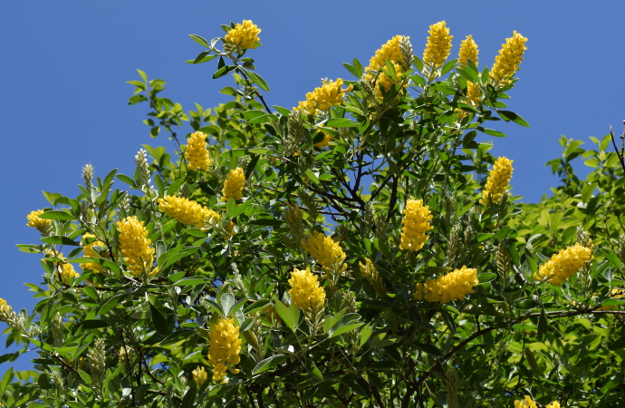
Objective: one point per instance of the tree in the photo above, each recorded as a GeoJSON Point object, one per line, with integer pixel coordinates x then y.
{"type": "Point", "coordinates": [358, 250]}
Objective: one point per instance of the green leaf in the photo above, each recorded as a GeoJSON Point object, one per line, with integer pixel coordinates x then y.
{"type": "Point", "coordinates": [200, 40]}
{"type": "Point", "coordinates": [227, 302]}
{"type": "Point", "coordinates": [429, 348]}
{"type": "Point", "coordinates": [345, 329]}
{"type": "Point", "coordinates": [311, 367]}
{"type": "Point", "coordinates": [330, 322]}
{"type": "Point", "coordinates": [110, 303]}
{"type": "Point", "coordinates": [57, 215]}
{"type": "Point", "coordinates": [258, 80]}
{"type": "Point", "coordinates": [189, 398]}
{"type": "Point", "coordinates": [191, 281]}
{"type": "Point", "coordinates": [340, 123]}
{"type": "Point", "coordinates": [160, 324]}
{"type": "Point", "coordinates": [507, 116]}
{"type": "Point", "coordinates": [486, 277]}
{"type": "Point", "coordinates": [128, 180]}
{"type": "Point", "coordinates": [290, 316]}
{"type": "Point", "coordinates": [491, 132]}
{"type": "Point", "coordinates": [93, 324]}
{"type": "Point", "coordinates": [58, 240]}
{"type": "Point", "coordinates": [312, 176]}
{"type": "Point", "coordinates": [6, 379]}
{"type": "Point", "coordinates": [224, 71]}
{"type": "Point", "coordinates": [365, 334]}
{"type": "Point", "coordinates": [91, 292]}
{"type": "Point", "coordinates": [85, 377]}
{"type": "Point", "coordinates": [267, 363]}
{"type": "Point", "coordinates": [542, 325]}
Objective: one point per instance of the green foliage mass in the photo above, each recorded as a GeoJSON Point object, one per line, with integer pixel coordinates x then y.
{"type": "Point", "coordinates": [109, 338]}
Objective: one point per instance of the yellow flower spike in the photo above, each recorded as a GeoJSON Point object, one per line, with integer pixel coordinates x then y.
{"type": "Point", "coordinates": [40, 224]}
{"type": "Point", "coordinates": [233, 187]}
{"type": "Point", "coordinates": [199, 376]}
{"type": "Point", "coordinates": [468, 51]}
{"type": "Point", "coordinates": [66, 272]}
{"type": "Point", "coordinates": [91, 253]}
{"type": "Point", "coordinates": [6, 312]}
{"type": "Point", "coordinates": [508, 60]}
{"type": "Point", "coordinates": [196, 152]}
{"type": "Point", "coordinates": [135, 246]}
{"type": "Point", "coordinates": [564, 264]}
{"type": "Point", "coordinates": [224, 348]}
{"type": "Point", "coordinates": [416, 223]}
{"type": "Point", "coordinates": [526, 403]}
{"type": "Point", "coordinates": [325, 250]}
{"type": "Point", "coordinates": [453, 286]}
{"type": "Point", "coordinates": [498, 181]}
{"type": "Point", "coordinates": [438, 46]}
{"type": "Point", "coordinates": [187, 211]}
{"type": "Point", "coordinates": [390, 51]}
{"type": "Point", "coordinates": [323, 98]}
{"type": "Point", "coordinates": [306, 292]}
{"type": "Point", "coordinates": [386, 81]}
{"type": "Point", "coordinates": [474, 96]}
{"type": "Point", "coordinates": [243, 36]}
{"type": "Point", "coordinates": [554, 404]}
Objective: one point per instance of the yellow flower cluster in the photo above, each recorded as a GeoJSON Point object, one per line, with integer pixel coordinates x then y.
{"type": "Point", "coordinates": [91, 253]}
{"type": "Point", "coordinates": [327, 252]}
{"type": "Point", "coordinates": [527, 403]}
{"type": "Point", "coordinates": [474, 95]}
{"type": "Point", "coordinates": [196, 153]}
{"type": "Point", "coordinates": [498, 181]}
{"type": "Point", "coordinates": [453, 286]}
{"type": "Point", "coordinates": [416, 223]}
{"type": "Point", "coordinates": [224, 348]}
{"type": "Point", "coordinates": [370, 272]}
{"type": "Point", "coordinates": [306, 292]}
{"type": "Point", "coordinates": [243, 36]}
{"type": "Point", "coordinates": [564, 264]}
{"type": "Point", "coordinates": [34, 221]}
{"type": "Point", "coordinates": [325, 142]}
{"type": "Point", "coordinates": [135, 246]}
{"type": "Point", "coordinates": [390, 51]}
{"type": "Point", "coordinates": [438, 46]}
{"type": "Point", "coordinates": [199, 376]}
{"type": "Point", "coordinates": [233, 187]}
{"type": "Point", "coordinates": [323, 98]}
{"type": "Point", "coordinates": [65, 270]}
{"type": "Point", "coordinates": [187, 211]}
{"type": "Point", "coordinates": [6, 311]}
{"type": "Point", "coordinates": [554, 404]}
{"type": "Point", "coordinates": [468, 51]}
{"type": "Point", "coordinates": [508, 60]}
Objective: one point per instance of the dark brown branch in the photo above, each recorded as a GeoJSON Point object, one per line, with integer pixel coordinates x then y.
{"type": "Point", "coordinates": [619, 153]}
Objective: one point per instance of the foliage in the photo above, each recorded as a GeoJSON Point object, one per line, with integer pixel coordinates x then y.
{"type": "Point", "coordinates": [297, 286]}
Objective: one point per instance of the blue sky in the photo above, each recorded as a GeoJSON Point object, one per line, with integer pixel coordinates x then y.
{"type": "Point", "coordinates": [65, 64]}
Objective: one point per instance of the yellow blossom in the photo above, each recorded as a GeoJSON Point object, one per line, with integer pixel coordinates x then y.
{"type": "Point", "coordinates": [64, 269]}
{"type": "Point", "coordinates": [196, 152]}
{"type": "Point", "coordinates": [416, 223]}
{"type": "Point", "coordinates": [224, 348]}
{"type": "Point", "coordinates": [527, 403]}
{"type": "Point", "coordinates": [468, 51]}
{"type": "Point", "coordinates": [390, 51]}
{"type": "Point", "coordinates": [564, 264]}
{"type": "Point", "coordinates": [229, 230]}
{"type": "Point", "coordinates": [554, 404]}
{"type": "Point", "coordinates": [508, 60]}
{"type": "Point", "coordinates": [243, 36]}
{"type": "Point", "coordinates": [34, 221]}
{"type": "Point", "coordinates": [233, 187]}
{"type": "Point", "coordinates": [325, 142]}
{"type": "Point", "coordinates": [498, 181]}
{"type": "Point", "coordinates": [614, 294]}
{"type": "Point", "coordinates": [6, 311]}
{"type": "Point", "coordinates": [386, 81]}
{"type": "Point", "coordinates": [135, 246]}
{"type": "Point", "coordinates": [91, 253]}
{"type": "Point", "coordinates": [187, 211]}
{"type": "Point", "coordinates": [306, 292]}
{"type": "Point", "coordinates": [453, 286]}
{"type": "Point", "coordinates": [474, 95]}
{"type": "Point", "coordinates": [327, 252]}
{"type": "Point", "coordinates": [323, 98]}
{"type": "Point", "coordinates": [199, 376]}
{"type": "Point", "coordinates": [438, 46]}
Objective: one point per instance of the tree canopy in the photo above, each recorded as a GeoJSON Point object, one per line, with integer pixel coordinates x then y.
{"type": "Point", "coordinates": [360, 249]}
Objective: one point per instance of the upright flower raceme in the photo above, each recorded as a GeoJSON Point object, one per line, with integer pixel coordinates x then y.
{"type": "Point", "coordinates": [453, 286]}
{"type": "Point", "coordinates": [468, 51]}
{"type": "Point", "coordinates": [392, 52]}
{"type": "Point", "coordinates": [508, 60]}
{"type": "Point", "coordinates": [187, 211]}
{"type": "Point", "coordinates": [326, 251]}
{"type": "Point", "coordinates": [6, 312]}
{"type": "Point", "coordinates": [564, 264]}
{"type": "Point", "coordinates": [438, 46]}
{"type": "Point", "coordinates": [135, 246]}
{"type": "Point", "coordinates": [196, 152]}
{"type": "Point", "coordinates": [498, 181]}
{"type": "Point", "coordinates": [40, 224]}
{"type": "Point", "coordinates": [90, 252]}
{"type": "Point", "coordinates": [199, 376]}
{"type": "Point", "coordinates": [306, 292]}
{"type": "Point", "coordinates": [243, 36]}
{"type": "Point", "coordinates": [323, 98]}
{"type": "Point", "coordinates": [526, 403]}
{"type": "Point", "coordinates": [233, 187]}
{"type": "Point", "coordinates": [416, 223]}
{"type": "Point", "coordinates": [224, 348]}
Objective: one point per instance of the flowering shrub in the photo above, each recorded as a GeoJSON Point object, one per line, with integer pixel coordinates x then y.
{"type": "Point", "coordinates": [354, 251]}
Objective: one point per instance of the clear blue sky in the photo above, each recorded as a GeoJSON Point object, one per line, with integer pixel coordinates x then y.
{"type": "Point", "coordinates": [65, 64]}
